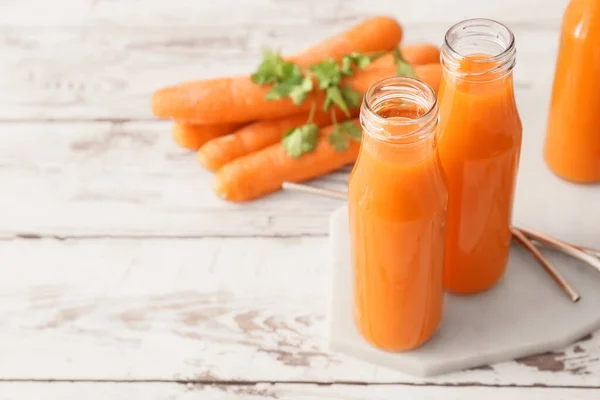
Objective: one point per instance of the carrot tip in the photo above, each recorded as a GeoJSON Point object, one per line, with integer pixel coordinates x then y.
{"type": "Point", "coordinates": [205, 161]}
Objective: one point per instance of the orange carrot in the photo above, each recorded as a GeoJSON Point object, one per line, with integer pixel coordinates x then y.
{"type": "Point", "coordinates": [372, 35]}
{"type": "Point", "coordinates": [430, 74]}
{"type": "Point", "coordinates": [192, 136]}
{"type": "Point", "coordinates": [260, 173]}
{"type": "Point", "coordinates": [263, 172]}
{"type": "Point", "coordinates": [238, 99]}
{"type": "Point", "coordinates": [421, 53]}
{"type": "Point", "coordinates": [414, 54]}
{"type": "Point", "coordinates": [219, 151]}
{"type": "Point", "coordinates": [230, 108]}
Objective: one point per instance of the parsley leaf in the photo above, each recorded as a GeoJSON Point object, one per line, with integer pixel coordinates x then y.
{"type": "Point", "coordinates": [361, 60]}
{"type": "Point", "coordinates": [402, 67]}
{"type": "Point", "coordinates": [338, 139]}
{"type": "Point", "coordinates": [299, 92]}
{"type": "Point", "coordinates": [327, 73]}
{"type": "Point", "coordinates": [288, 80]}
{"type": "Point", "coordinates": [334, 95]}
{"type": "Point", "coordinates": [351, 96]}
{"type": "Point", "coordinates": [267, 70]}
{"type": "Point", "coordinates": [279, 90]}
{"type": "Point", "coordinates": [289, 72]}
{"type": "Point", "coordinates": [298, 95]}
{"type": "Point", "coordinates": [346, 68]}
{"type": "Point", "coordinates": [341, 135]}
{"type": "Point", "coordinates": [343, 98]}
{"type": "Point", "coordinates": [354, 131]}
{"type": "Point", "coordinates": [301, 140]}
{"type": "Point", "coordinates": [358, 59]}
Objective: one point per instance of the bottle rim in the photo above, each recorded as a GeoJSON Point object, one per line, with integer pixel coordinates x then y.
{"type": "Point", "coordinates": [504, 60]}
{"type": "Point", "coordinates": [404, 89]}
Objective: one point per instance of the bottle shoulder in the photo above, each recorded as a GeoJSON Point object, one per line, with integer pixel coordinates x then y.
{"type": "Point", "coordinates": [581, 19]}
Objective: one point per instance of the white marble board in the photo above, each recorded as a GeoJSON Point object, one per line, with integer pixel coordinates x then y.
{"type": "Point", "coordinates": [526, 313]}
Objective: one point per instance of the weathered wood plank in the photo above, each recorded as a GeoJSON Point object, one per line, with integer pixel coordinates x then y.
{"type": "Point", "coordinates": [96, 73]}
{"type": "Point", "coordinates": [232, 13]}
{"type": "Point", "coordinates": [130, 179]}
{"type": "Point", "coordinates": [201, 310]}
{"type": "Point", "coordinates": [173, 391]}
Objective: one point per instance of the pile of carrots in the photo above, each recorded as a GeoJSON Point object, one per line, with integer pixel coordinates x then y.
{"type": "Point", "coordinates": [237, 133]}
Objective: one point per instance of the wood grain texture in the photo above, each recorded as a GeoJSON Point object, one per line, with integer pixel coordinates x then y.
{"type": "Point", "coordinates": [202, 310]}
{"type": "Point", "coordinates": [231, 295]}
{"type": "Point", "coordinates": [261, 391]}
{"type": "Point", "coordinates": [129, 179]}
{"type": "Point", "coordinates": [108, 73]}
{"type": "Point", "coordinates": [136, 13]}
{"type": "Point", "coordinates": [103, 179]}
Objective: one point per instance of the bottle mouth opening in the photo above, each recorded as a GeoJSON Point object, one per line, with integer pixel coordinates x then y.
{"type": "Point", "coordinates": [488, 45]}
{"type": "Point", "coordinates": [399, 109]}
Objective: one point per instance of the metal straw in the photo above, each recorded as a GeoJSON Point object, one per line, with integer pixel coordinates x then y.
{"type": "Point", "coordinates": [583, 254]}
{"type": "Point", "coordinates": [565, 285]}
{"type": "Point", "coordinates": [559, 278]}
{"type": "Point", "coordinates": [298, 187]}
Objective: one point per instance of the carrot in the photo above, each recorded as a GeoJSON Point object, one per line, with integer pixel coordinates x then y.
{"type": "Point", "coordinates": [414, 54]}
{"type": "Point", "coordinates": [234, 100]}
{"type": "Point", "coordinates": [421, 53]}
{"type": "Point", "coordinates": [372, 35]}
{"type": "Point", "coordinates": [192, 136]}
{"type": "Point", "coordinates": [430, 74]}
{"type": "Point", "coordinates": [219, 151]}
{"type": "Point", "coordinates": [260, 173]}
{"type": "Point", "coordinates": [263, 172]}
{"type": "Point", "coordinates": [238, 99]}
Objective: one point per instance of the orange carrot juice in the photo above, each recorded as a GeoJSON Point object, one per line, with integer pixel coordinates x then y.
{"type": "Point", "coordinates": [479, 145]}
{"type": "Point", "coordinates": [572, 148]}
{"type": "Point", "coordinates": [397, 212]}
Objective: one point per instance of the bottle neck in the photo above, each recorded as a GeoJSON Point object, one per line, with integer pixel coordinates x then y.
{"type": "Point", "coordinates": [399, 117]}
{"type": "Point", "coordinates": [478, 50]}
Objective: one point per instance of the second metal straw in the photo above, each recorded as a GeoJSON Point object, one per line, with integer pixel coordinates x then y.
{"type": "Point", "coordinates": [548, 266]}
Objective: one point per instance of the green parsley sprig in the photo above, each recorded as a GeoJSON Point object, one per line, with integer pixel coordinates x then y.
{"type": "Point", "coordinates": [403, 68]}
{"type": "Point", "coordinates": [329, 75]}
{"type": "Point", "coordinates": [343, 133]}
{"type": "Point", "coordinates": [289, 80]}
{"type": "Point", "coordinates": [303, 139]}
{"type": "Point", "coordinates": [286, 77]}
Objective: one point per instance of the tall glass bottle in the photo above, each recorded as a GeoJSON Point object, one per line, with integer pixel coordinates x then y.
{"type": "Point", "coordinates": [397, 212]}
{"type": "Point", "coordinates": [479, 144]}
{"type": "Point", "coordinates": [572, 147]}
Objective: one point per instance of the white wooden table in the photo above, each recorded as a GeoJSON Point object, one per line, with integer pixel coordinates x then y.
{"type": "Point", "coordinates": [123, 277]}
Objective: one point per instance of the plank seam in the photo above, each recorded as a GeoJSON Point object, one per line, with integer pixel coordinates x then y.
{"type": "Point", "coordinates": [7, 237]}
{"type": "Point", "coordinates": [293, 382]}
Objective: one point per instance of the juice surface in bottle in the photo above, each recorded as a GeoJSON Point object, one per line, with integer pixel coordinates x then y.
{"type": "Point", "coordinates": [479, 145]}
{"type": "Point", "coordinates": [572, 149]}
{"type": "Point", "coordinates": [397, 212]}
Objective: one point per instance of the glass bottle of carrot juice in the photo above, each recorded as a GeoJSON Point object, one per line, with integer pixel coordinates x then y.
{"type": "Point", "coordinates": [572, 147]}
{"type": "Point", "coordinates": [479, 144]}
{"type": "Point", "coordinates": [397, 213]}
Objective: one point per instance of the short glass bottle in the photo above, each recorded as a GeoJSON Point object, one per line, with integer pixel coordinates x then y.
{"type": "Point", "coordinates": [397, 213]}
